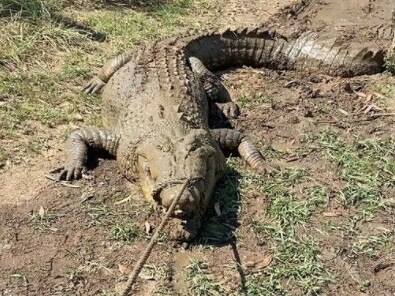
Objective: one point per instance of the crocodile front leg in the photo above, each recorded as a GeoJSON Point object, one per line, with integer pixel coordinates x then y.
{"type": "Point", "coordinates": [78, 145]}
{"type": "Point", "coordinates": [96, 84]}
{"type": "Point", "coordinates": [214, 88]}
{"type": "Point", "coordinates": [232, 140]}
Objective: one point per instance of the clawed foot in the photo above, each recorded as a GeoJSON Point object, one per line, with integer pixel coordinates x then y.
{"type": "Point", "coordinates": [71, 172]}
{"type": "Point", "coordinates": [229, 109]}
{"type": "Point", "coordinates": [94, 86]}
{"type": "Point", "coordinates": [268, 168]}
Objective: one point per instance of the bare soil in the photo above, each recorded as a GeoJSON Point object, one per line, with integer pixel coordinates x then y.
{"type": "Point", "coordinates": [59, 240]}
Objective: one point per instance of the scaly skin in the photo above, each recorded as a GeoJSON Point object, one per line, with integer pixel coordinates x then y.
{"type": "Point", "coordinates": [156, 110]}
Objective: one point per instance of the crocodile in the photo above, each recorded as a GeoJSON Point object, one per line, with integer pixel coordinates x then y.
{"type": "Point", "coordinates": [156, 102]}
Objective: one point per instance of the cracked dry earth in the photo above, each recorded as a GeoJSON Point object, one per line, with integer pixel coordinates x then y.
{"type": "Point", "coordinates": [67, 239]}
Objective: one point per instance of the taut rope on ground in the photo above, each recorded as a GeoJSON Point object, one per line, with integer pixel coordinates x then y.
{"type": "Point", "coordinates": [139, 265]}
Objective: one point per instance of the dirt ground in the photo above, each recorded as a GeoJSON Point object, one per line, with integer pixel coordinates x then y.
{"type": "Point", "coordinates": [324, 226]}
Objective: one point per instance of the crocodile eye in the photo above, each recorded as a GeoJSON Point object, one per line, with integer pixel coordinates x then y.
{"type": "Point", "coordinates": [147, 169]}
{"type": "Point", "coordinates": [194, 147]}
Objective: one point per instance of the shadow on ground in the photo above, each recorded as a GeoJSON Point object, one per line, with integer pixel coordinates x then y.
{"type": "Point", "coordinates": [221, 218]}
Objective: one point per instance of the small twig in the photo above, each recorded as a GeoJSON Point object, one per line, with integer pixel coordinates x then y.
{"type": "Point", "coordinates": [66, 184]}
{"type": "Point", "coordinates": [123, 200]}
{"type": "Point", "coordinates": [51, 178]}
{"type": "Point", "coordinates": [292, 159]}
{"type": "Point", "coordinates": [373, 117]}
{"type": "Point", "coordinates": [384, 114]}
{"type": "Point", "coordinates": [87, 197]}
{"type": "Point", "coordinates": [63, 183]}
{"type": "Point", "coordinates": [344, 121]}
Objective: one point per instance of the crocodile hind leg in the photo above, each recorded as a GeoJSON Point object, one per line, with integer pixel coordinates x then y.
{"type": "Point", "coordinates": [214, 89]}
{"type": "Point", "coordinates": [78, 145]}
{"type": "Point", "coordinates": [96, 84]}
{"type": "Point", "coordinates": [232, 140]}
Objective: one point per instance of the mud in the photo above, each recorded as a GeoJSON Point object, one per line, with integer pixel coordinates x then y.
{"type": "Point", "coordinates": [71, 250]}
{"type": "Point", "coordinates": [367, 22]}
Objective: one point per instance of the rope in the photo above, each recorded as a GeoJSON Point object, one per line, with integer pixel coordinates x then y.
{"type": "Point", "coordinates": [167, 183]}
{"type": "Point", "coordinates": [139, 265]}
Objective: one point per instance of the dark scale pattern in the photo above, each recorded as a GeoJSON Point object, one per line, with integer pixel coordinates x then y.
{"type": "Point", "coordinates": [309, 51]}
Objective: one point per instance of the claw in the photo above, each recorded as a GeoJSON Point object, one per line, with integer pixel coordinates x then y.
{"type": "Point", "coordinates": [62, 175]}
{"type": "Point", "coordinates": [230, 109]}
{"type": "Point", "coordinates": [97, 89]}
{"type": "Point", "coordinates": [255, 159]}
{"type": "Point", "coordinates": [57, 170]}
{"type": "Point", "coordinates": [269, 168]}
{"type": "Point", "coordinates": [235, 111]}
{"type": "Point", "coordinates": [77, 173]}
{"type": "Point", "coordinates": [72, 172]}
{"type": "Point", "coordinates": [86, 176]}
{"type": "Point", "coordinates": [94, 86]}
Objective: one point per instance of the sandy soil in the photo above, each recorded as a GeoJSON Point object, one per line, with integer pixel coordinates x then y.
{"type": "Point", "coordinates": [55, 238]}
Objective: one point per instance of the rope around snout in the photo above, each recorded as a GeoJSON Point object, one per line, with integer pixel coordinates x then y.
{"type": "Point", "coordinates": [139, 265]}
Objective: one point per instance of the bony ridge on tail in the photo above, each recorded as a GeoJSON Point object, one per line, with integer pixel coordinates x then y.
{"type": "Point", "coordinates": [156, 102]}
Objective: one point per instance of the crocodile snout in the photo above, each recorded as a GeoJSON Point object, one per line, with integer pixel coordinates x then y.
{"type": "Point", "coordinates": [189, 201]}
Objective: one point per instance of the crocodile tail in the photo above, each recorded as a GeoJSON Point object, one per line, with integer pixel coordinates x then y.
{"type": "Point", "coordinates": [331, 56]}
{"type": "Point", "coordinates": [265, 48]}
{"type": "Point", "coordinates": [235, 48]}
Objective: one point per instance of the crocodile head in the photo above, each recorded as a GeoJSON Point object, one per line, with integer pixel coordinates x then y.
{"type": "Point", "coordinates": [164, 165]}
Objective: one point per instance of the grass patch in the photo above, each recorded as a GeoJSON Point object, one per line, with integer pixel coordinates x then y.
{"type": "Point", "coordinates": [263, 99]}
{"type": "Point", "coordinates": [390, 65]}
{"type": "Point", "coordinates": [128, 28]}
{"type": "Point", "coordinates": [43, 218]}
{"type": "Point", "coordinates": [385, 89]}
{"type": "Point", "coordinates": [41, 97]}
{"type": "Point", "coordinates": [219, 229]}
{"type": "Point", "coordinates": [31, 9]}
{"type": "Point", "coordinates": [44, 113]}
{"type": "Point", "coordinates": [296, 263]}
{"type": "Point", "coordinates": [243, 101]}
{"type": "Point", "coordinates": [37, 145]}
{"type": "Point", "coordinates": [369, 245]}
{"type": "Point", "coordinates": [169, 13]}
{"type": "Point", "coordinates": [125, 233]}
{"type": "Point", "coordinates": [296, 254]}
{"type": "Point", "coordinates": [45, 61]}
{"type": "Point", "coordinates": [367, 167]}
{"type": "Point", "coordinates": [76, 66]}
{"type": "Point", "coordinates": [24, 43]}
{"type": "Point", "coordinates": [4, 154]}
{"type": "Point", "coordinates": [201, 280]}
{"type": "Point", "coordinates": [97, 214]}
{"type": "Point", "coordinates": [248, 100]}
